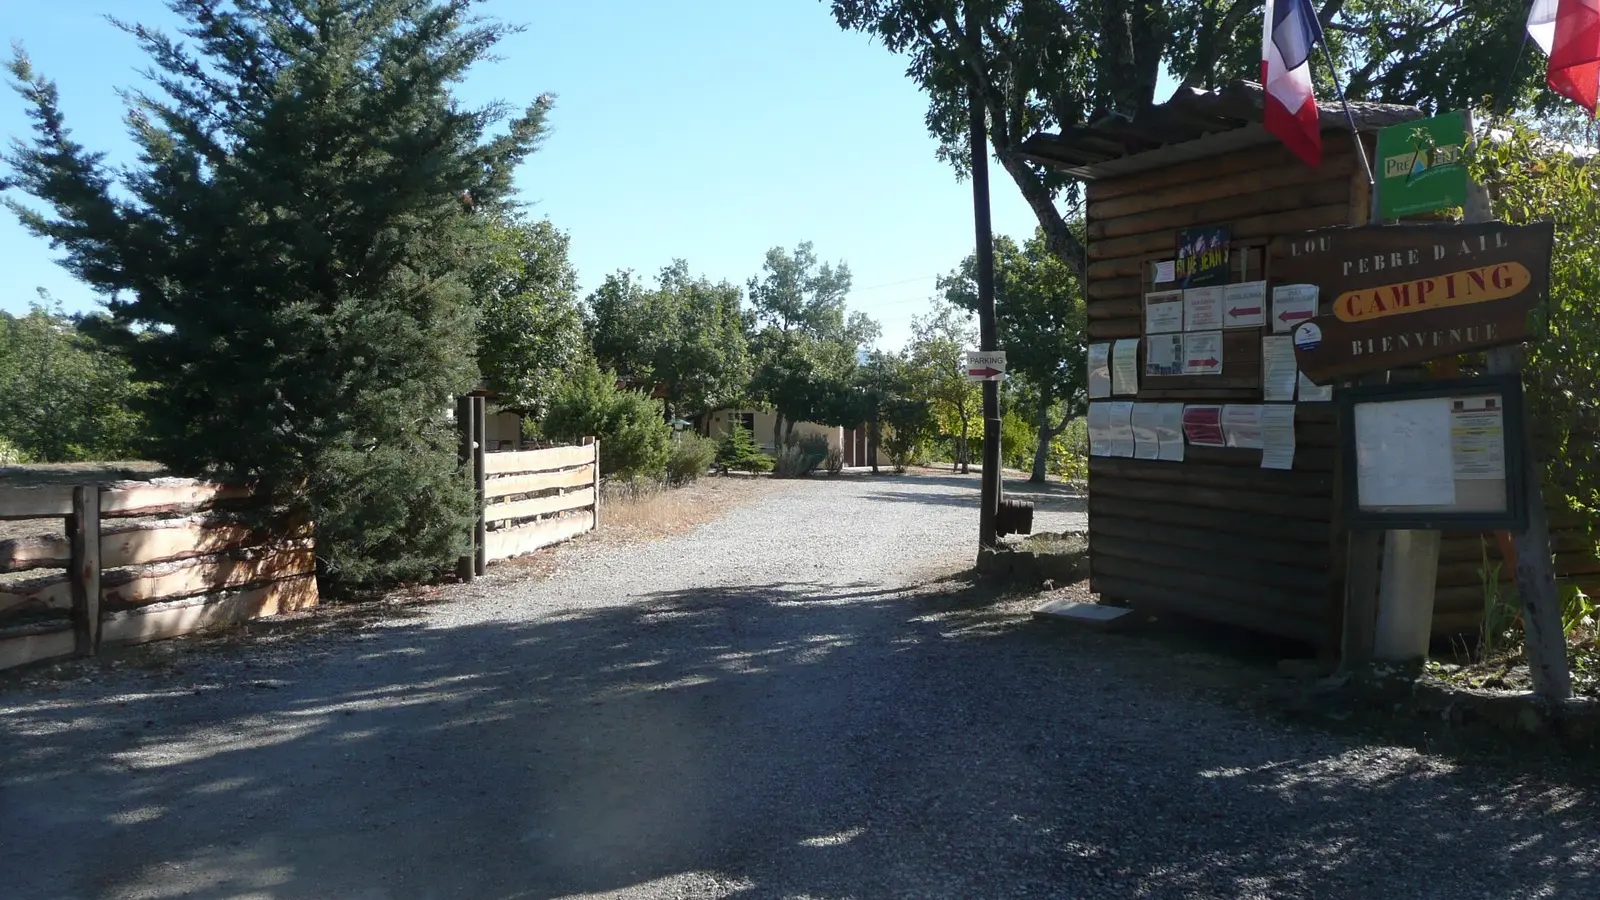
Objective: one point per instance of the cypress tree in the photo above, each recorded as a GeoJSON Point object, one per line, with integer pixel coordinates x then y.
{"type": "Point", "coordinates": [287, 258]}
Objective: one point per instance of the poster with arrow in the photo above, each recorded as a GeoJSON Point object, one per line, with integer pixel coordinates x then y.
{"type": "Point", "coordinates": [1202, 353]}
{"type": "Point", "coordinates": [986, 365]}
{"type": "Point", "coordinates": [1244, 304]}
{"type": "Point", "coordinates": [1291, 305]}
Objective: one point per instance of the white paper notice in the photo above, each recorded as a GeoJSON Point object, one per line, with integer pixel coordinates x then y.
{"type": "Point", "coordinates": [1122, 428]}
{"type": "Point", "coordinates": [1163, 312]}
{"type": "Point", "coordinates": [1399, 449]}
{"type": "Point", "coordinates": [1291, 305]}
{"type": "Point", "coordinates": [1099, 371]}
{"type": "Point", "coordinates": [1277, 436]}
{"type": "Point", "coordinates": [1277, 369]}
{"type": "Point", "coordinates": [1163, 271]}
{"type": "Point", "coordinates": [1146, 442]}
{"type": "Point", "coordinates": [1163, 354]}
{"type": "Point", "coordinates": [1477, 438]}
{"type": "Point", "coordinates": [1169, 431]}
{"type": "Point", "coordinates": [1311, 392]}
{"type": "Point", "coordinates": [1125, 367]}
{"type": "Point", "coordinates": [1241, 426]}
{"type": "Point", "coordinates": [1099, 429]}
{"type": "Point", "coordinates": [1202, 353]}
{"type": "Point", "coordinates": [1244, 304]}
{"type": "Point", "coordinates": [1202, 308]}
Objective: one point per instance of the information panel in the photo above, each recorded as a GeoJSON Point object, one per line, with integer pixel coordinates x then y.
{"type": "Point", "coordinates": [1435, 455]}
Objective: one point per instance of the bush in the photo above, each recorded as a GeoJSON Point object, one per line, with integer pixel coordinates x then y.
{"type": "Point", "coordinates": [692, 456]}
{"type": "Point", "coordinates": [635, 439]}
{"type": "Point", "coordinates": [11, 454]}
{"type": "Point", "coordinates": [835, 460]}
{"type": "Point", "coordinates": [802, 457]}
{"type": "Point", "coordinates": [737, 451]}
{"type": "Point", "coordinates": [1069, 451]}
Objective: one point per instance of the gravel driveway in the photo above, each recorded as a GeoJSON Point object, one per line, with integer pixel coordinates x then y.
{"type": "Point", "coordinates": [755, 709]}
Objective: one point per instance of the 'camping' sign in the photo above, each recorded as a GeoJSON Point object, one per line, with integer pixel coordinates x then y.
{"type": "Point", "coordinates": [1403, 294]}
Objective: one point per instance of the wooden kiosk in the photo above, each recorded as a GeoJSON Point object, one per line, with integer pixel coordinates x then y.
{"type": "Point", "coordinates": [1236, 533]}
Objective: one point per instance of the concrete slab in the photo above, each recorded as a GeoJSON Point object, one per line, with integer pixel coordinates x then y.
{"type": "Point", "coordinates": [1091, 615]}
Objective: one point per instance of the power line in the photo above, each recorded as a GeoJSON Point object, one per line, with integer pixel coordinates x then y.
{"type": "Point", "coordinates": [893, 283]}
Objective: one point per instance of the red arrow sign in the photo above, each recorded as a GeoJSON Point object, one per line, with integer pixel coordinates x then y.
{"type": "Point", "coordinates": [984, 373]}
{"type": "Point", "coordinates": [1208, 363]}
{"type": "Point", "coordinates": [1291, 316]}
{"type": "Point", "coordinates": [1244, 311]}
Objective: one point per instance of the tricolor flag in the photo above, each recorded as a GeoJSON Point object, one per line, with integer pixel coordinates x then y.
{"type": "Point", "coordinates": [1291, 31]}
{"type": "Point", "coordinates": [1569, 33]}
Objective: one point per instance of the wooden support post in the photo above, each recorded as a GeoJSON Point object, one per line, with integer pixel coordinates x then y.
{"type": "Point", "coordinates": [1360, 598]}
{"type": "Point", "coordinates": [83, 531]}
{"type": "Point", "coordinates": [465, 565]}
{"type": "Point", "coordinates": [480, 479]}
{"type": "Point", "coordinates": [595, 442]}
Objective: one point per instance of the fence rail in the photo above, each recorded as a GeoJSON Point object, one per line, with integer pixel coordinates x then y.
{"type": "Point", "coordinates": [193, 562]}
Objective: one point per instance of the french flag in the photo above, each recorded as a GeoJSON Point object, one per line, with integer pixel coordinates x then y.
{"type": "Point", "coordinates": [1569, 33]}
{"type": "Point", "coordinates": [1291, 31]}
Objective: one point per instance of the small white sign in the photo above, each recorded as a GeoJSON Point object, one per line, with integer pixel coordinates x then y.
{"type": "Point", "coordinates": [987, 365]}
{"type": "Point", "coordinates": [1202, 353]}
{"type": "Point", "coordinates": [1202, 308]}
{"type": "Point", "coordinates": [1292, 305]}
{"type": "Point", "coordinates": [1244, 304]}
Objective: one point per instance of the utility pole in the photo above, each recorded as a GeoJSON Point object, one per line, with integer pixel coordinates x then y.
{"type": "Point", "coordinates": [989, 496]}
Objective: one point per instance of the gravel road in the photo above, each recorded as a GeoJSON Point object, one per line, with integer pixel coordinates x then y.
{"type": "Point", "coordinates": [754, 709]}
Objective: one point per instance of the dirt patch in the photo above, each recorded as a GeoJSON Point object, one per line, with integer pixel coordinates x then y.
{"type": "Point", "coordinates": [41, 474]}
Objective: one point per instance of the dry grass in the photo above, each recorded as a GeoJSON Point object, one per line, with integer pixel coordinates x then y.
{"type": "Point", "coordinates": [645, 510]}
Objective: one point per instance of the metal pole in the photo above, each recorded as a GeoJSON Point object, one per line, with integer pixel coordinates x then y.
{"type": "Point", "coordinates": [989, 496]}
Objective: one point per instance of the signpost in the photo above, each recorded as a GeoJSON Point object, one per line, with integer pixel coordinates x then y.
{"type": "Point", "coordinates": [985, 365]}
{"type": "Point", "coordinates": [1404, 294]}
{"type": "Point", "coordinates": [1420, 167]}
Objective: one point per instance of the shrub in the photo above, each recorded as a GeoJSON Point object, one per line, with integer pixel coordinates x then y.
{"type": "Point", "coordinates": [11, 454]}
{"type": "Point", "coordinates": [635, 439]}
{"type": "Point", "coordinates": [737, 451]}
{"type": "Point", "coordinates": [802, 457]}
{"type": "Point", "coordinates": [835, 460]}
{"type": "Point", "coordinates": [692, 456]}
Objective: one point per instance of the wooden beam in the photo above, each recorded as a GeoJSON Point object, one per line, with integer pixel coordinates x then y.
{"type": "Point", "coordinates": [44, 502]}
{"type": "Point", "coordinates": [1339, 163]}
{"type": "Point", "coordinates": [1243, 229]}
{"type": "Point", "coordinates": [1201, 519]}
{"type": "Point", "coordinates": [198, 613]}
{"type": "Point", "coordinates": [167, 495]}
{"type": "Point", "coordinates": [19, 647]}
{"type": "Point", "coordinates": [1202, 211]}
{"type": "Point", "coordinates": [50, 593]}
{"type": "Point", "coordinates": [1258, 481]}
{"type": "Point", "coordinates": [510, 485]}
{"type": "Point", "coordinates": [504, 543]}
{"type": "Point", "coordinates": [207, 574]}
{"type": "Point", "coordinates": [136, 543]}
{"type": "Point", "coordinates": [538, 506]}
{"type": "Point", "coordinates": [538, 460]}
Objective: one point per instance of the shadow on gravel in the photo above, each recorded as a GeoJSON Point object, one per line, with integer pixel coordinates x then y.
{"type": "Point", "coordinates": [772, 740]}
{"type": "Point", "coordinates": [1053, 496]}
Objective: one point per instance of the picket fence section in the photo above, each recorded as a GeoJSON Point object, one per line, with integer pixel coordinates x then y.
{"type": "Point", "coordinates": [140, 561]}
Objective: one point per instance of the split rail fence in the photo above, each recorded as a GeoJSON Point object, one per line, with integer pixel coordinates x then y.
{"type": "Point", "coordinates": [527, 499]}
{"type": "Point", "coordinates": [140, 561]}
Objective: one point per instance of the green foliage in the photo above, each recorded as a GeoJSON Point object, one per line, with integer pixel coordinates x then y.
{"type": "Point", "coordinates": [935, 356]}
{"type": "Point", "coordinates": [1060, 65]}
{"type": "Point", "coordinates": [1530, 180]}
{"type": "Point", "coordinates": [290, 254]}
{"type": "Point", "coordinates": [1069, 451]}
{"type": "Point", "coordinates": [635, 439]}
{"type": "Point", "coordinates": [801, 457]}
{"type": "Point", "coordinates": [737, 452]}
{"type": "Point", "coordinates": [11, 454]}
{"type": "Point", "coordinates": [63, 396]}
{"type": "Point", "coordinates": [530, 330]}
{"type": "Point", "coordinates": [910, 426]}
{"type": "Point", "coordinates": [835, 460]}
{"type": "Point", "coordinates": [807, 346]}
{"type": "Point", "coordinates": [692, 456]}
{"type": "Point", "coordinates": [686, 334]}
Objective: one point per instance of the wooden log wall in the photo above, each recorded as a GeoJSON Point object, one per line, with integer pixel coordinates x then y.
{"type": "Point", "coordinates": [145, 560]}
{"type": "Point", "coordinates": [1216, 536]}
{"type": "Point", "coordinates": [535, 498]}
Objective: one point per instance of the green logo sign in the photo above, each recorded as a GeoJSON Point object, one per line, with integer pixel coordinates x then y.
{"type": "Point", "coordinates": [1419, 166]}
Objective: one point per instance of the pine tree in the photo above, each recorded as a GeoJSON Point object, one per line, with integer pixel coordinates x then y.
{"type": "Point", "coordinates": [288, 256]}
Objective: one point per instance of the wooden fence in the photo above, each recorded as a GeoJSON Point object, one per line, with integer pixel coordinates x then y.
{"type": "Point", "coordinates": [176, 557]}
{"type": "Point", "coordinates": [527, 499]}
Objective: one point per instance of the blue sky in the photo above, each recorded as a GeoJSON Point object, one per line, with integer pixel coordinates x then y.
{"type": "Point", "coordinates": [704, 129]}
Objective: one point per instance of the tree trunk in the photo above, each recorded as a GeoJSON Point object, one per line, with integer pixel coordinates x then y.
{"type": "Point", "coordinates": [872, 443]}
{"type": "Point", "coordinates": [1041, 453]}
{"type": "Point", "coordinates": [777, 432]}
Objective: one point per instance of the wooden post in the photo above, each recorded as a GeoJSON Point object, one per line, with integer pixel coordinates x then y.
{"type": "Point", "coordinates": [83, 532]}
{"type": "Point", "coordinates": [465, 567]}
{"type": "Point", "coordinates": [1544, 640]}
{"type": "Point", "coordinates": [1360, 598]}
{"type": "Point", "coordinates": [480, 480]}
{"type": "Point", "coordinates": [595, 442]}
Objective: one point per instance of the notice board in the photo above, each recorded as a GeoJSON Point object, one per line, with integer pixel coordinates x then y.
{"type": "Point", "coordinates": [1435, 455]}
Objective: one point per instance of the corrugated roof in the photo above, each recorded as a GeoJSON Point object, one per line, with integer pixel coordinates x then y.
{"type": "Point", "coordinates": [1192, 125]}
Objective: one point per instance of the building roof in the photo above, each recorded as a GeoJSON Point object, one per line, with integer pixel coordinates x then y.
{"type": "Point", "coordinates": [1193, 124]}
